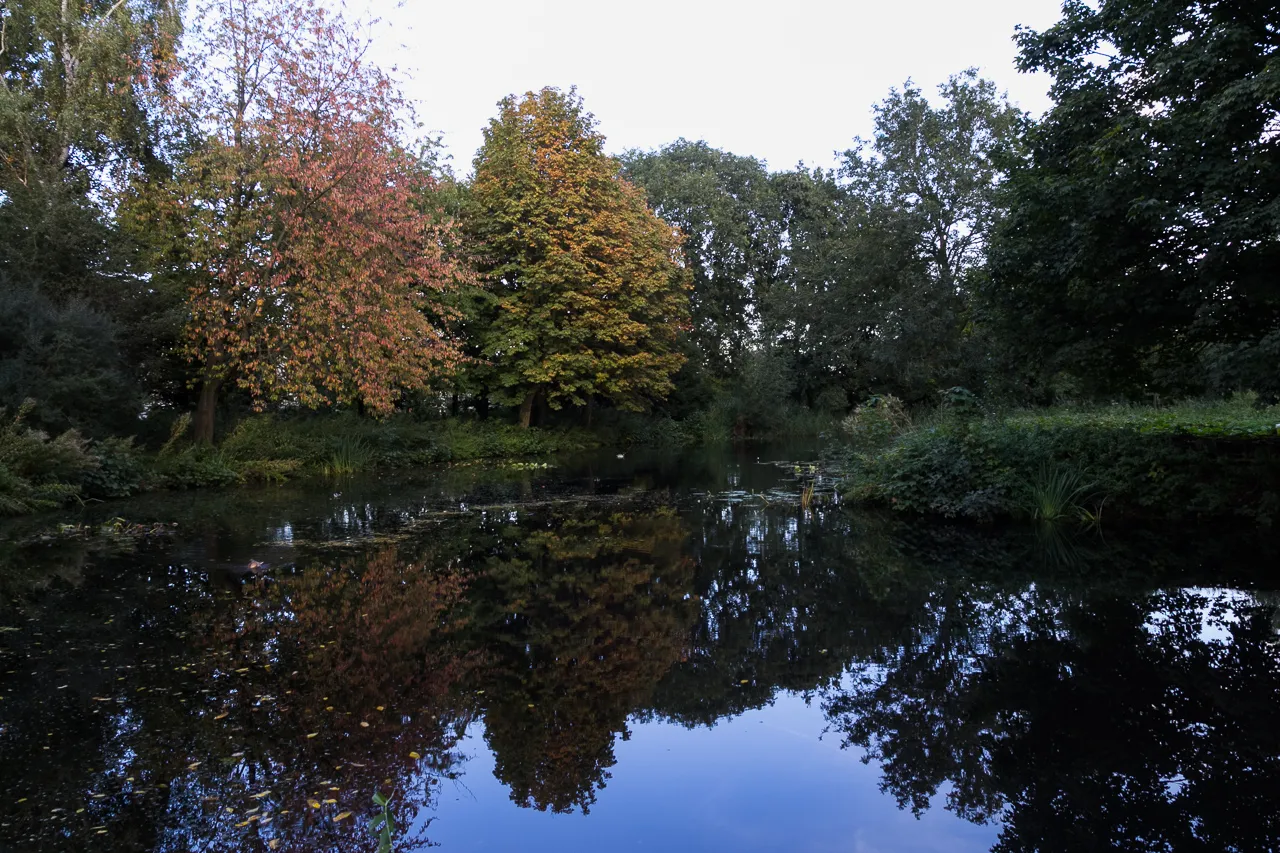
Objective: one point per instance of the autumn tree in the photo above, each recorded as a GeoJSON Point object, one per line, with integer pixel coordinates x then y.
{"type": "Point", "coordinates": [313, 273]}
{"type": "Point", "coordinates": [590, 294]}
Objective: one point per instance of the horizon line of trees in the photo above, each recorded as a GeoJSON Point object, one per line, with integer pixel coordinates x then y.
{"type": "Point", "coordinates": [235, 209]}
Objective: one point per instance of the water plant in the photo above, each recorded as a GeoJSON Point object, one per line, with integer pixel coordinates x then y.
{"type": "Point", "coordinates": [383, 825]}
{"type": "Point", "coordinates": [349, 455]}
{"type": "Point", "coordinates": [1057, 493]}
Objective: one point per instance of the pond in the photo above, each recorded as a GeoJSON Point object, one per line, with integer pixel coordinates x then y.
{"type": "Point", "coordinates": [701, 652]}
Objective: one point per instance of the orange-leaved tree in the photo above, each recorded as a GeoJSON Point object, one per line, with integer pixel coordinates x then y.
{"type": "Point", "coordinates": [590, 292]}
{"type": "Point", "coordinates": [294, 216]}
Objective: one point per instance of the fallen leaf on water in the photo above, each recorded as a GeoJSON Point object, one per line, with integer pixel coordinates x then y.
{"type": "Point", "coordinates": [363, 724]}
{"type": "Point", "coordinates": [261, 795]}
{"type": "Point", "coordinates": [315, 804]}
{"type": "Point", "coordinates": [330, 802]}
{"type": "Point", "coordinates": [381, 708]}
{"type": "Point", "coordinates": [273, 843]}
{"type": "Point", "coordinates": [223, 714]}
{"type": "Point", "coordinates": [745, 681]}
{"type": "Point", "coordinates": [193, 765]}
{"type": "Point", "coordinates": [414, 755]}
{"type": "Point", "coordinates": [341, 816]}
{"type": "Point", "coordinates": [313, 734]}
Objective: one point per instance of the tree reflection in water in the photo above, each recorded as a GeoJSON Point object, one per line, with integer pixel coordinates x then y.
{"type": "Point", "coordinates": [1081, 695]}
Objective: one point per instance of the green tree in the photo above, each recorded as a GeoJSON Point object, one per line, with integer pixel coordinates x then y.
{"type": "Point", "coordinates": [78, 80]}
{"type": "Point", "coordinates": [728, 210]}
{"type": "Point", "coordinates": [1143, 237]}
{"type": "Point", "coordinates": [590, 294]}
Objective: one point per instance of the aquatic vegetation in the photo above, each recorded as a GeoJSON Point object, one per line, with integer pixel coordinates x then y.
{"type": "Point", "coordinates": [1058, 493]}
{"type": "Point", "coordinates": [349, 455]}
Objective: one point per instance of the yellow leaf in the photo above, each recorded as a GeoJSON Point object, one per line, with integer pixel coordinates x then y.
{"type": "Point", "coordinates": [413, 755]}
{"type": "Point", "coordinates": [313, 803]}
{"type": "Point", "coordinates": [341, 816]}
{"type": "Point", "coordinates": [193, 765]}
{"type": "Point", "coordinates": [273, 843]}
{"type": "Point", "coordinates": [261, 795]}
{"type": "Point", "coordinates": [313, 734]}
{"type": "Point", "coordinates": [220, 716]}
{"type": "Point", "coordinates": [363, 724]}
{"type": "Point", "coordinates": [330, 802]}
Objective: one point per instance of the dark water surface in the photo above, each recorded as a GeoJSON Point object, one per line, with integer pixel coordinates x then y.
{"type": "Point", "coordinates": [653, 653]}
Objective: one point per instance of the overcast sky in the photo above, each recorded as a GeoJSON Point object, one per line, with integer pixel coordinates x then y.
{"type": "Point", "coordinates": [784, 81]}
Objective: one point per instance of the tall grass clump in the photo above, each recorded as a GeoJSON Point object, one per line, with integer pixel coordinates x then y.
{"type": "Point", "coordinates": [1058, 493]}
{"type": "Point", "coordinates": [350, 454]}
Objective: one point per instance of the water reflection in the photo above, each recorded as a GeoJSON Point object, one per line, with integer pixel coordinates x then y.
{"type": "Point", "coordinates": [155, 696]}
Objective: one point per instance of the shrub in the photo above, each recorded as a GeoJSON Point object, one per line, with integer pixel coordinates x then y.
{"type": "Point", "coordinates": [1168, 464]}
{"type": "Point", "coordinates": [36, 471]}
{"type": "Point", "coordinates": [876, 422]}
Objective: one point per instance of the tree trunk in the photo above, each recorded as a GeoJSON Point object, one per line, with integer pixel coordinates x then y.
{"type": "Point", "coordinates": [205, 407]}
{"type": "Point", "coordinates": [590, 407]}
{"type": "Point", "coordinates": [526, 409]}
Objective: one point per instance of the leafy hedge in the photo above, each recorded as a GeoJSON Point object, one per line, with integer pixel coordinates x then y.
{"type": "Point", "coordinates": [1191, 461]}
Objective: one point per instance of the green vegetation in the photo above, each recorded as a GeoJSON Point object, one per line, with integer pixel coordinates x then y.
{"type": "Point", "coordinates": [212, 243]}
{"type": "Point", "coordinates": [1194, 460]}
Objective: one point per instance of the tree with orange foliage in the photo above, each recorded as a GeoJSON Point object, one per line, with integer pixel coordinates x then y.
{"type": "Point", "coordinates": [590, 293]}
{"type": "Point", "coordinates": [314, 276]}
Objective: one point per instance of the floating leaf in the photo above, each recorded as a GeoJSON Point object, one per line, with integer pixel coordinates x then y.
{"type": "Point", "coordinates": [193, 765]}
{"type": "Point", "coordinates": [341, 816]}
{"type": "Point", "coordinates": [313, 734]}
{"type": "Point", "coordinates": [363, 724]}
{"type": "Point", "coordinates": [315, 804]}
{"type": "Point", "coordinates": [261, 795]}
{"type": "Point", "coordinates": [222, 715]}
{"type": "Point", "coordinates": [414, 755]}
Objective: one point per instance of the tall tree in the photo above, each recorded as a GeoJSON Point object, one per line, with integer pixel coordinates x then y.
{"type": "Point", "coordinates": [728, 210]}
{"type": "Point", "coordinates": [313, 271]}
{"type": "Point", "coordinates": [940, 166]}
{"type": "Point", "coordinates": [1141, 249]}
{"type": "Point", "coordinates": [590, 292]}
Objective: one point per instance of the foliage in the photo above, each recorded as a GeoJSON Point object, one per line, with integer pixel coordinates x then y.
{"type": "Point", "coordinates": [311, 270]}
{"type": "Point", "coordinates": [349, 455]}
{"type": "Point", "coordinates": [876, 422]}
{"type": "Point", "coordinates": [1057, 494]}
{"type": "Point", "coordinates": [590, 294]}
{"type": "Point", "coordinates": [728, 210]}
{"type": "Point", "coordinates": [67, 357]}
{"type": "Point", "coordinates": [38, 472]}
{"type": "Point", "coordinates": [1142, 239]}
{"type": "Point", "coordinates": [1195, 461]}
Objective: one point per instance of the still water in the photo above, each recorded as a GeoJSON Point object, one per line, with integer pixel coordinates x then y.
{"type": "Point", "coordinates": [675, 653]}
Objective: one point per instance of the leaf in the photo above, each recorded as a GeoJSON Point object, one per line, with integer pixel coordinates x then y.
{"type": "Point", "coordinates": [193, 765]}
{"type": "Point", "coordinates": [341, 816]}
{"type": "Point", "coordinates": [313, 734]}
{"type": "Point", "coordinates": [315, 804]}
{"type": "Point", "coordinates": [414, 755]}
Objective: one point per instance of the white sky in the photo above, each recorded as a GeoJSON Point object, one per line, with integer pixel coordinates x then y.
{"type": "Point", "coordinates": [782, 81]}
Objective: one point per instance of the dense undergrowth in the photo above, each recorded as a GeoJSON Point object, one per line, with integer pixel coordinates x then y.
{"type": "Point", "coordinates": [1191, 460]}
{"type": "Point", "coordinates": [39, 471]}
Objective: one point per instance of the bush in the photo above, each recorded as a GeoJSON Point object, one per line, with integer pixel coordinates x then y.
{"type": "Point", "coordinates": [1171, 464]}
{"type": "Point", "coordinates": [36, 471]}
{"type": "Point", "coordinates": [876, 422]}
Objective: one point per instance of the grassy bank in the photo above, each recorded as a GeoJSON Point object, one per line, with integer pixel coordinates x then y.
{"type": "Point", "coordinates": [40, 472]}
{"type": "Point", "coordinates": [1194, 460]}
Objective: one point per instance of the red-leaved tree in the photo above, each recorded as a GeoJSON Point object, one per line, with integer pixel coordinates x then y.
{"type": "Point", "coordinates": [296, 218]}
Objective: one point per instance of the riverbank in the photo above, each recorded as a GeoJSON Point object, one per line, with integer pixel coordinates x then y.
{"type": "Point", "coordinates": [1193, 460]}
{"type": "Point", "coordinates": [39, 472]}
